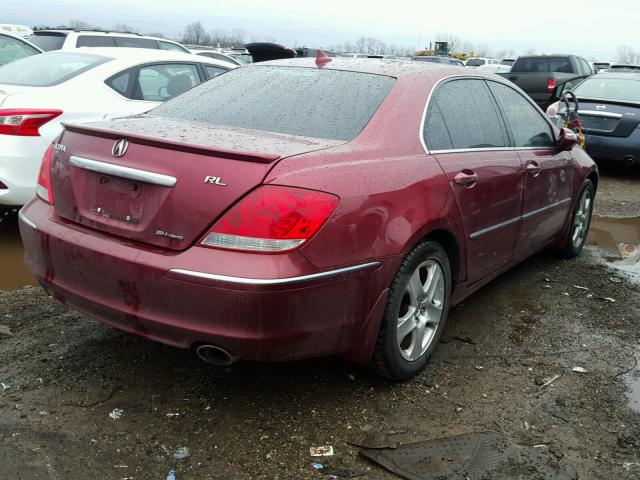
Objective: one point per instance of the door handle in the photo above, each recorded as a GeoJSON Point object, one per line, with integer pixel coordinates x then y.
{"type": "Point", "coordinates": [534, 169]}
{"type": "Point", "coordinates": [466, 178]}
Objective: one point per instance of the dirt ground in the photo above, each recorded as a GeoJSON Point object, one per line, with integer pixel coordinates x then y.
{"type": "Point", "coordinates": [63, 375]}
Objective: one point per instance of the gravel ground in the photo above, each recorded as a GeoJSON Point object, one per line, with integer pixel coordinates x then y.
{"type": "Point", "coordinates": [68, 374]}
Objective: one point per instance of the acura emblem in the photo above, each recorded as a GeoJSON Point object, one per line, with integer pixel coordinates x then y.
{"type": "Point", "coordinates": [119, 148]}
{"type": "Point", "coordinates": [601, 107]}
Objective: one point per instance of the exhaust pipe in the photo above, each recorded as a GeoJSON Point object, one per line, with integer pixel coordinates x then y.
{"type": "Point", "coordinates": [629, 160]}
{"type": "Point", "coordinates": [215, 355]}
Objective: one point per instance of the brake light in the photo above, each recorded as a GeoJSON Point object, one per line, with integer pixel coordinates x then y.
{"type": "Point", "coordinates": [25, 123]}
{"type": "Point", "coordinates": [43, 188]}
{"type": "Point", "coordinates": [272, 219]}
{"type": "Point", "coordinates": [551, 85]}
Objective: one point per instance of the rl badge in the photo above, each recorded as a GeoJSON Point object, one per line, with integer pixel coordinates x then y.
{"type": "Point", "coordinates": [214, 180]}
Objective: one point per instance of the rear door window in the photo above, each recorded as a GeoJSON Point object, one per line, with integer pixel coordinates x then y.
{"type": "Point", "coordinates": [48, 41]}
{"type": "Point", "coordinates": [470, 115]}
{"type": "Point", "coordinates": [528, 126]}
{"type": "Point", "coordinates": [311, 102]}
{"type": "Point", "coordinates": [435, 131]}
{"type": "Point", "coordinates": [95, 41]}
{"type": "Point", "coordinates": [160, 82]}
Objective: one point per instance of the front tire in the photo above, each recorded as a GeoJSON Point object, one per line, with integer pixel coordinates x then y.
{"type": "Point", "coordinates": [415, 313]}
{"type": "Point", "coordinates": [580, 221]}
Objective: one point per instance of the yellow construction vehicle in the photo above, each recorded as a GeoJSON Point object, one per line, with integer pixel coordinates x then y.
{"type": "Point", "coordinates": [443, 49]}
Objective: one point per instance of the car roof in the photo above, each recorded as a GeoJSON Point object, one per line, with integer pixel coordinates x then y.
{"type": "Point", "coordinates": [135, 56]}
{"type": "Point", "coordinates": [97, 32]}
{"type": "Point", "coordinates": [397, 68]}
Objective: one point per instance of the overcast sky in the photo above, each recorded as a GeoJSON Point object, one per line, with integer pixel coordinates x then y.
{"type": "Point", "coordinates": [592, 28]}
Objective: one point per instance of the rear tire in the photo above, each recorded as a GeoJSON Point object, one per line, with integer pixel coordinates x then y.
{"type": "Point", "coordinates": [580, 219]}
{"type": "Point", "coordinates": [415, 313]}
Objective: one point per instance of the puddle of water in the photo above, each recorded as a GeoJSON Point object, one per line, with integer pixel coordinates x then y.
{"type": "Point", "coordinates": [620, 238]}
{"type": "Point", "coordinates": [13, 272]}
{"type": "Point", "coordinates": [632, 379]}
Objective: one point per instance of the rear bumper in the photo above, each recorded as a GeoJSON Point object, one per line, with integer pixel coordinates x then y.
{"type": "Point", "coordinates": [616, 149]}
{"type": "Point", "coordinates": [258, 307]}
{"type": "Point", "coordinates": [20, 159]}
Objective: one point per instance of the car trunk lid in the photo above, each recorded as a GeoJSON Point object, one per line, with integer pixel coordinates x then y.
{"type": "Point", "coordinates": [172, 182]}
{"type": "Point", "coordinates": [609, 119]}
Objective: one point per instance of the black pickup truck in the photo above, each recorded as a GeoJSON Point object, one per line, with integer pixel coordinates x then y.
{"type": "Point", "coordinates": [539, 75]}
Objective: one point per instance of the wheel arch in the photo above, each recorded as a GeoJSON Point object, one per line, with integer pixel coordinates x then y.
{"type": "Point", "coordinates": [449, 241]}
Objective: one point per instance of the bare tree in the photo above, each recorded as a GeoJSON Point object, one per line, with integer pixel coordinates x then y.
{"type": "Point", "coordinates": [223, 38]}
{"type": "Point", "coordinates": [627, 54]}
{"type": "Point", "coordinates": [195, 34]}
{"type": "Point", "coordinates": [78, 24]}
{"type": "Point", "coordinates": [123, 27]}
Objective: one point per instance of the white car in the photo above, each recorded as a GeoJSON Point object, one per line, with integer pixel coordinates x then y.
{"type": "Point", "coordinates": [477, 61]}
{"type": "Point", "coordinates": [13, 48]}
{"type": "Point", "coordinates": [495, 68]}
{"type": "Point", "coordinates": [38, 93]}
{"type": "Point", "coordinates": [49, 40]}
{"type": "Point", "coordinates": [216, 54]}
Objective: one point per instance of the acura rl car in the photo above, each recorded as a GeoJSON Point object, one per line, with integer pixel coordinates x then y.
{"type": "Point", "coordinates": [304, 208]}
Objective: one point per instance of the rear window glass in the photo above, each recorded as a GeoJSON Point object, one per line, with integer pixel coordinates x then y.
{"type": "Point", "coordinates": [311, 102]}
{"type": "Point", "coordinates": [619, 89]}
{"type": "Point", "coordinates": [48, 41]}
{"type": "Point", "coordinates": [475, 62]}
{"type": "Point", "coordinates": [542, 64]}
{"type": "Point", "coordinates": [48, 68]}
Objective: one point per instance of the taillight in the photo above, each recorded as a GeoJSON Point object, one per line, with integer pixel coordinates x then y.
{"type": "Point", "coordinates": [25, 123]}
{"type": "Point", "coordinates": [551, 85]}
{"type": "Point", "coordinates": [272, 219]}
{"type": "Point", "coordinates": [43, 188]}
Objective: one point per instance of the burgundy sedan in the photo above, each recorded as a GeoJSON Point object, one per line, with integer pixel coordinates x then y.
{"type": "Point", "coordinates": [283, 210]}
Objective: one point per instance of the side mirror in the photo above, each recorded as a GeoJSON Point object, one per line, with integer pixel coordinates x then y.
{"type": "Point", "coordinates": [567, 139]}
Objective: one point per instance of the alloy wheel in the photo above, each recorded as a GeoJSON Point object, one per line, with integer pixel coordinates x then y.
{"type": "Point", "coordinates": [582, 218]}
{"type": "Point", "coordinates": [420, 310]}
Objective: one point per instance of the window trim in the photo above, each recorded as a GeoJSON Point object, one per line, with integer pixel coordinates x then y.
{"type": "Point", "coordinates": [489, 149]}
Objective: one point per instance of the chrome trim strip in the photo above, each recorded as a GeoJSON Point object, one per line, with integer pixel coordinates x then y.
{"type": "Point", "coordinates": [596, 113]}
{"type": "Point", "coordinates": [124, 172]}
{"type": "Point", "coordinates": [495, 227]}
{"type": "Point", "coordinates": [518, 218]}
{"type": "Point", "coordinates": [544, 209]}
{"type": "Point", "coordinates": [25, 220]}
{"type": "Point", "coordinates": [491, 149]}
{"type": "Point", "coordinates": [273, 281]}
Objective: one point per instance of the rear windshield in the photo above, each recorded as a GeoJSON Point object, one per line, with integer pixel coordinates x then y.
{"type": "Point", "coordinates": [48, 41]}
{"type": "Point", "coordinates": [542, 64]}
{"type": "Point", "coordinates": [311, 102]}
{"type": "Point", "coordinates": [475, 62]}
{"type": "Point", "coordinates": [48, 69]}
{"type": "Point", "coordinates": [617, 89]}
